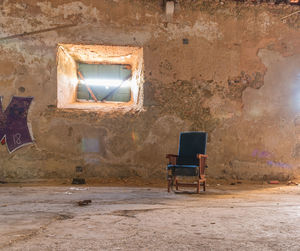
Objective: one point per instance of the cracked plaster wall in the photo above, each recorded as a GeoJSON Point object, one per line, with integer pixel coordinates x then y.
{"type": "Point", "coordinates": [237, 79]}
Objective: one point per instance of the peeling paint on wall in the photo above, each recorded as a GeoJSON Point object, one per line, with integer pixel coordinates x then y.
{"type": "Point", "coordinates": [201, 28]}
{"type": "Point", "coordinates": [236, 79]}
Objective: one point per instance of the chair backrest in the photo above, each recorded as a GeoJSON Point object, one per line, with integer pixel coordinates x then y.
{"type": "Point", "coordinates": [191, 144]}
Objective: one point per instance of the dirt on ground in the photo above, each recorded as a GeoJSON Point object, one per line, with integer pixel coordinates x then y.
{"type": "Point", "coordinates": [225, 217]}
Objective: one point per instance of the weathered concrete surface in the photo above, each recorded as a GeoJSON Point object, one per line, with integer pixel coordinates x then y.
{"type": "Point", "coordinates": [237, 79]}
{"type": "Point", "coordinates": [48, 218]}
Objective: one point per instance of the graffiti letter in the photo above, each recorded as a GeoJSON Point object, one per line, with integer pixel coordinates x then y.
{"type": "Point", "coordinates": [13, 123]}
{"type": "Point", "coordinates": [17, 139]}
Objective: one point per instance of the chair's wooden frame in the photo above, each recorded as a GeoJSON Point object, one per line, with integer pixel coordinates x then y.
{"type": "Point", "coordinates": [201, 180]}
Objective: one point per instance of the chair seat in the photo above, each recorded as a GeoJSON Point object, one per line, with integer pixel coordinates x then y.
{"type": "Point", "coordinates": [184, 170]}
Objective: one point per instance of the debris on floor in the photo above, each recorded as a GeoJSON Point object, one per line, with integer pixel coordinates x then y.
{"type": "Point", "coordinates": [78, 181]}
{"type": "Point", "coordinates": [274, 182]}
{"type": "Point", "coordinates": [78, 189]}
{"type": "Point", "coordinates": [292, 183]}
{"type": "Point", "coordinates": [84, 202]}
{"type": "Point", "coordinates": [64, 217]}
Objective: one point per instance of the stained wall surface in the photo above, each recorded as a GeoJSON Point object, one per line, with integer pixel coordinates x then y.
{"type": "Point", "coordinates": [238, 78]}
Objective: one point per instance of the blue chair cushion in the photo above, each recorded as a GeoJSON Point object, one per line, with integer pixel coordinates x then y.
{"type": "Point", "coordinates": [187, 160]}
{"type": "Point", "coordinates": [184, 170]}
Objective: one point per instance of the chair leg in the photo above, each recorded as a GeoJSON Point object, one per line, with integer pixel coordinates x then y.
{"type": "Point", "coordinates": [169, 184]}
{"type": "Point", "coordinates": [198, 186]}
{"type": "Point", "coordinates": [204, 188]}
{"type": "Point", "coordinates": [176, 182]}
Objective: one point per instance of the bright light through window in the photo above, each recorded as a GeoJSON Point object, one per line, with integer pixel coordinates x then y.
{"type": "Point", "coordinates": [106, 82]}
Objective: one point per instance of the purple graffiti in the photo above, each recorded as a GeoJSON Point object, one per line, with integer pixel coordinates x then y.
{"type": "Point", "coordinates": [13, 123]}
{"type": "Point", "coordinates": [268, 155]}
{"type": "Point", "coordinates": [261, 154]}
{"type": "Point", "coordinates": [254, 153]}
{"type": "Point", "coordinates": [279, 164]}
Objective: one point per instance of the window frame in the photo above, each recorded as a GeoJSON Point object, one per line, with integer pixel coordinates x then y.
{"type": "Point", "coordinates": [67, 80]}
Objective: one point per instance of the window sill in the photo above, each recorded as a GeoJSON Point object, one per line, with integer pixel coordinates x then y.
{"type": "Point", "coordinates": [101, 106]}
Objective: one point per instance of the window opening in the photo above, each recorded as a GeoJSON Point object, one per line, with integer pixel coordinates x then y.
{"type": "Point", "coordinates": [104, 82]}
{"type": "Point", "coordinates": [104, 77]}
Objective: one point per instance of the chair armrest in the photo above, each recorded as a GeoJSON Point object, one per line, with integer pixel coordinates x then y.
{"type": "Point", "coordinates": [172, 158]}
{"type": "Point", "coordinates": [202, 164]}
{"type": "Point", "coordinates": [199, 156]}
{"type": "Point", "coordinates": [171, 155]}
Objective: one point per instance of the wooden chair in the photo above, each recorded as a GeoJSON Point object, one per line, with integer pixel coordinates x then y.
{"type": "Point", "coordinates": [190, 161]}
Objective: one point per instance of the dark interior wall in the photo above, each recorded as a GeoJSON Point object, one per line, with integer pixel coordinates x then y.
{"type": "Point", "coordinates": [237, 78]}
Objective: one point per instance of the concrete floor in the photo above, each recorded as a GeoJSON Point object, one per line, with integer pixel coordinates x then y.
{"type": "Point", "coordinates": [123, 218]}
